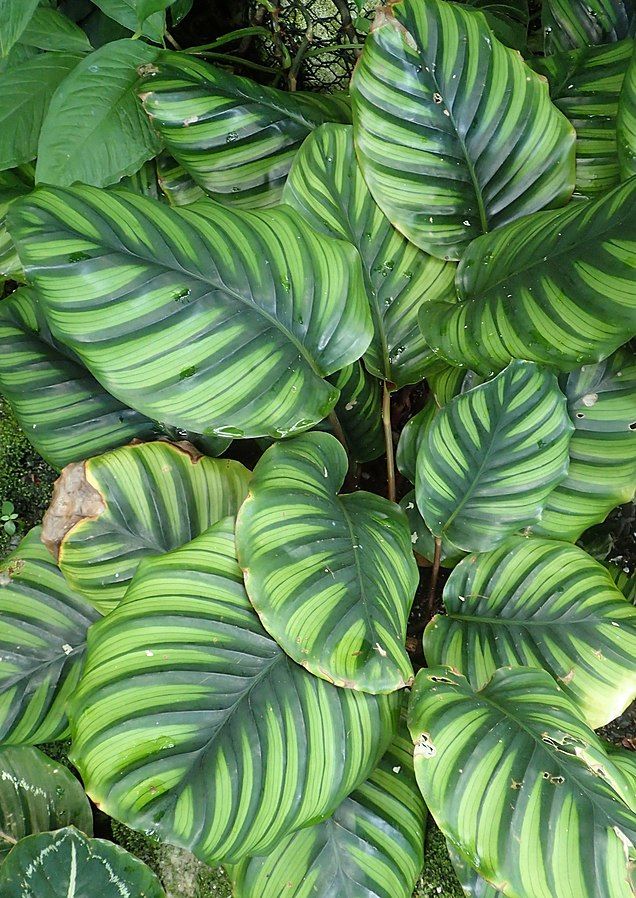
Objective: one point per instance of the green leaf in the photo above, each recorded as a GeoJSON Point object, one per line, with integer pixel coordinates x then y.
{"type": "Point", "coordinates": [372, 845]}
{"type": "Point", "coordinates": [331, 576]}
{"type": "Point", "coordinates": [49, 29]}
{"type": "Point", "coordinates": [63, 410]}
{"type": "Point", "coordinates": [147, 8]}
{"type": "Point", "coordinates": [25, 95]}
{"type": "Point", "coordinates": [66, 862]}
{"type": "Point", "coordinates": [236, 138]}
{"type": "Point", "coordinates": [413, 437]}
{"type": "Point", "coordinates": [126, 12]}
{"type": "Point", "coordinates": [207, 318]}
{"type": "Point", "coordinates": [555, 287]}
{"type": "Point", "coordinates": [585, 85]}
{"type": "Point", "coordinates": [626, 763]}
{"type": "Point", "coordinates": [602, 473]}
{"type": "Point", "coordinates": [111, 511]}
{"type": "Point", "coordinates": [192, 724]}
{"type": "Point", "coordinates": [625, 582]}
{"type": "Point", "coordinates": [540, 603]}
{"type": "Point", "coordinates": [176, 183]}
{"type": "Point", "coordinates": [359, 410]}
{"type": "Point", "coordinates": [448, 158]}
{"type": "Point", "coordinates": [422, 540]}
{"type": "Point", "coordinates": [514, 758]}
{"type": "Point", "coordinates": [492, 457]}
{"type": "Point", "coordinates": [43, 626]}
{"type": "Point", "coordinates": [36, 795]}
{"type": "Point", "coordinates": [179, 10]}
{"type": "Point", "coordinates": [326, 185]}
{"type": "Point", "coordinates": [626, 122]}
{"type": "Point", "coordinates": [95, 130]}
{"type": "Point", "coordinates": [569, 24]}
{"type": "Point", "coordinates": [12, 186]}
{"type": "Point", "coordinates": [508, 20]}
{"type": "Point", "coordinates": [9, 528]}
{"type": "Point", "coordinates": [473, 885]}
{"type": "Point", "coordinates": [14, 18]}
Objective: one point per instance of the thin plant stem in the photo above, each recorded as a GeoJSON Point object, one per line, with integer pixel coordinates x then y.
{"type": "Point", "coordinates": [434, 575]}
{"type": "Point", "coordinates": [336, 426]}
{"type": "Point", "coordinates": [388, 443]}
{"type": "Point", "coordinates": [172, 41]}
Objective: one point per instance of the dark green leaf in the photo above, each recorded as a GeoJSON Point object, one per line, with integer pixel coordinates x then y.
{"type": "Point", "coordinates": [126, 12]}
{"type": "Point", "coordinates": [359, 410]}
{"type": "Point", "coordinates": [569, 24]}
{"type": "Point", "coordinates": [413, 437]}
{"type": "Point", "coordinates": [14, 18]}
{"type": "Point", "coordinates": [626, 122]}
{"type": "Point", "coordinates": [50, 30]}
{"type": "Point", "coordinates": [508, 20]}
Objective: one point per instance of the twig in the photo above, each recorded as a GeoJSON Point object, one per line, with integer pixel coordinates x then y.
{"type": "Point", "coordinates": [345, 17]}
{"type": "Point", "coordinates": [172, 41]}
{"type": "Point", "coordinates": [388, 443]}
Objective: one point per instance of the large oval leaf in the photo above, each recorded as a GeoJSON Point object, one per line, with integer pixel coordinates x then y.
{"type": "Point", "coordinates": [375, 840]}
{"type": "Point", "coordinates": [95, 131]}
{"type": "Point", "coordinates": [66, 864]}
{"type": "Point", "coordinates": [492, 457]}
{"type": "Point", "coordinates": [585, 85]}
{"type": "Point", "coordinates": [43, 626]}
{"type": "Point", "coordinates": [326, 185]}
{"type": "Point", "coordinates": [546, 604]}
{"type": "Point", "coordinates": [602, 473]}
{"type": "Point", "coordinates": [65, 413]}
{"type": "Point", "coordinates": [455, 134]}
{"type": "Point", "coordinates": [626, 122]}
{"type": "Point", "coordinates": [556, 287]}
{"type": "Point", "coordinates": [331, 577]}
{"type": "Point", "coordinates": [111, 511]}
{"type": "Point", "coordinates": [36, 795]}
{"type": "Point", "coordinates": [192, 724]}
{"type": "Point", "coordinates": [521, 785]}
{"type": "Point", "coordinates": [210, 320]}
{"type": "Point", "coordinates": [568, 24]}
{"type": "Point", "coordinates": [235, 137]}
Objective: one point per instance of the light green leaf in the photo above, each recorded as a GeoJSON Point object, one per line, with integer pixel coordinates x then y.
{"type": "Point", "coordinates": [626, 763]}
{"type": "Point", "coordinates": [95, 130]}
{"type": "Point", "coordinates": [602, 473]}
{"type": "Point", "coordinates": [546, 604]}
{"type": "Point", "coordinates": [65, 413]}
{"type": "Point", "coordinates": [413, 437]}
{"type": "Point", "coordinates": [43, 626]}
{"type": "Point", "coordinates": [585, 85]}
{"type": "Point", "coordinates": [14, 18]}
{"type": "Point", "coordinates": [359, 410]}
{"type": "Point", "coordinates": [474, 885]}
{"type": "Point", "coordinates": [331, 576]}
{"type": "Point", "coordinates": [36, 795]}
{"type": "Point", "coordinates": [25, 95]}
{"type": "Point", "coordinates": [67, 863]}
{"type": "Point", "coordinates": [237, 139]}
{"type": "Point", "coordinates": [514, 757]}
{"type": "Point", "coordinates": [12, 185]}
{"type": "Point", "coordinates": [454, 133]}
{"type": "Point", "coordinates": [191, 723]}
{"type": "Point", "coordinates": [326, 185]}
{"type": "Point", "coordinates": [126, 12]}
{"type": "Point", "coordinates": [49, 29]}
{"type": "Point", "coordinates": [492, 457]}
{"type": "Point", "coordinates": [176, 183]}
{"type": "Point", "coordinates": [374, 839]}
{"type": "Point", "coordinates": [109, 512]}
{"type": "Point", "coordinates": [209, 319]}
{"type": "Point", "coordinates": [626, 122]}
{"type": "Point", "coordinates": [555, 287]}
{"type": "Point", "coordinates": [569, 24]}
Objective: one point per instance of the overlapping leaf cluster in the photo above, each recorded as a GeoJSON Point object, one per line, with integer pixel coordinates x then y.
{"type": "Point", "coordinates": [204, 259]}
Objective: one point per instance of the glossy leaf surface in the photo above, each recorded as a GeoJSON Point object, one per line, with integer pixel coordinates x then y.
{"type": "Point", "coordinates": [626, 122]}
{"type": "Point", "coordinates": [569, 24]}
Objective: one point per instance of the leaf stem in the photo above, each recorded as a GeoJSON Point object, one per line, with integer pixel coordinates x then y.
{"type": "Point", "coordinates": [388, 442]}
{"type": "Point", "coordinates": [7, 838]}
{"type": "Point", "coordinates": [434, 575]}
{"type": "Point", "coordinates": [336, 426]}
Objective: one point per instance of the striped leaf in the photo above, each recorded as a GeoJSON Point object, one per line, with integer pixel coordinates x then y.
{"type": "Point", "coordinates": [492, 457]}
{"type": "Point", "coordinates": [522, 786]}
{"type": "Point", "coordinates": [546, 604]}
{"type": "Point", "coordinates": [454, 133]}
{"type": "Point", "coordinates": [36, 795]}
{"type": "Point", "coordinates": [372, 846]}
{"type": "Point", "coordinates": [212, 320]}
{"type": "Point", "coordinates": [326, 185]}
{"type": "Point", "coordinates": [473, 885]}
{"type": "Point", "coordinates": [67, 863]}
{"type": "Point", "coordinates": [626, 582]}
{"type": "Point", "coordinates": [359, 410]}
{"type": "Point", "coordinates": [176, 183]}
{"type": "Point", "coordinates": [193, 725]}
{"type": "Point", "coordinates": [43, 626]}
{"type": "Point", "coordinates": [450, 381]}
{"type": "Point", "coordinates": [65, 413]}
{"type": "Point", "coordinates": [413, 437]}
{"type": "Point", "coordinates": [569, 24]}
{"type": "Point", "coordinates": [12, 186]}
{"type": "Point", "coordinates": [556, 287]}
{"type": "Point", "coordinates": [626, 763]}
{"type": "Point", "coordinates": [111, 511]}
{"type": "Point", "coordinates": [331, 577]}
{"type": "Point", "coordinates": [626, 122]}
{"type": "Point", "coordinates": [422, 540]}
{"type": "Point", "coordinates": [585, 85]}
{"type": "Point", "coordinates": [602, 473]}
{"type": "Point", "coordinates": [237, 139]}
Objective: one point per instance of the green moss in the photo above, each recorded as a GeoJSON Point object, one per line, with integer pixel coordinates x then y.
{"type": "Point", "coordinates": [439, 879]}
{"type": "Point", "coordinates": [25, 479]}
